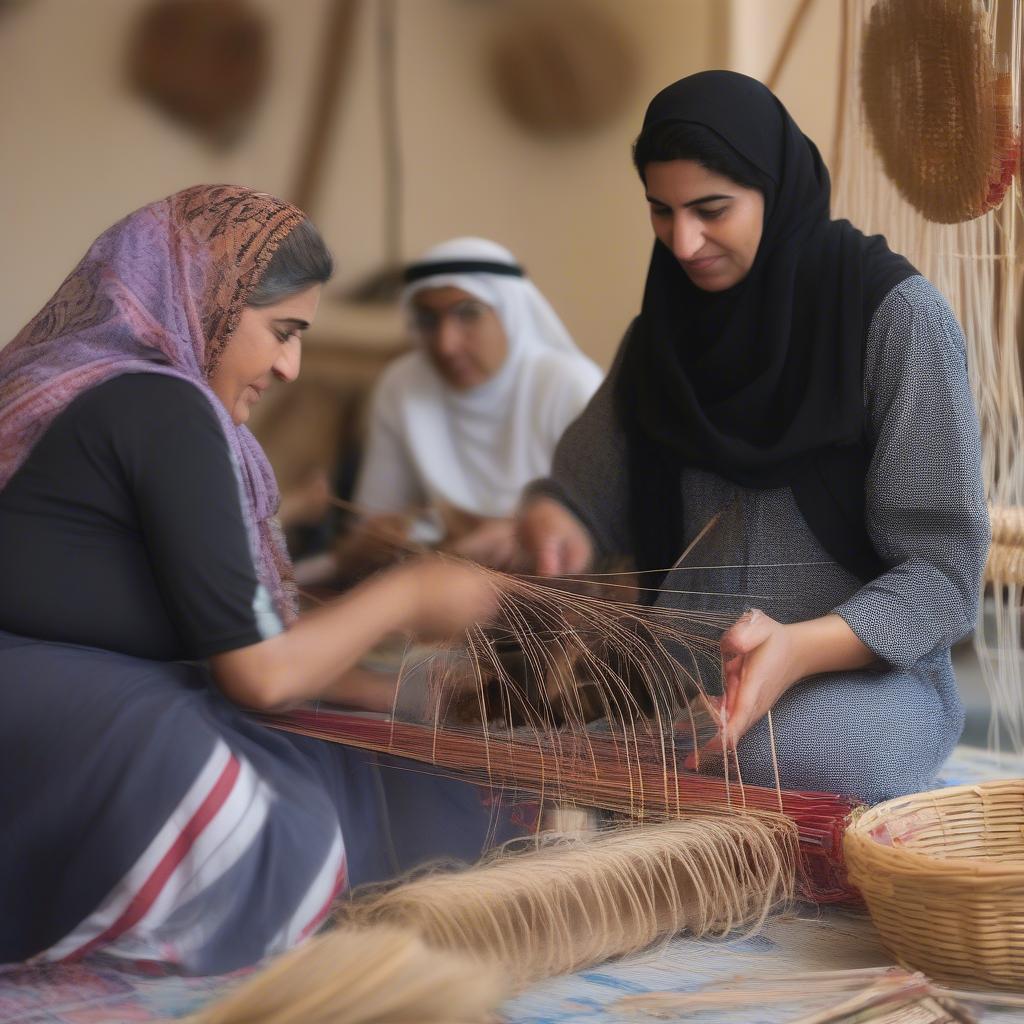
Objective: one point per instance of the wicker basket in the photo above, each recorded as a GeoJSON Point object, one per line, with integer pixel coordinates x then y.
{"type": "Point", "coordinates": [943, 877]}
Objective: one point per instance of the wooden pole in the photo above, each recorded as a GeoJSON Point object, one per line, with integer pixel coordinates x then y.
{"type": "Point", "coordinates": [334, 63]}
{"type": "Point", "coordinates": [788, 42]}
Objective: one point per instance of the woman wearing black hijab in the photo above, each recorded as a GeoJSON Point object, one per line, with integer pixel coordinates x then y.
{"type": "Point", "coordinates": [805, 389]}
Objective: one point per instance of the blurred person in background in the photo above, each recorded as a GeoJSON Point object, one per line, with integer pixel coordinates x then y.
{"type": "Point", "coordinates": [462, 423]}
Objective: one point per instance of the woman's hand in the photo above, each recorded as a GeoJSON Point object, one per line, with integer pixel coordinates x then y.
{"type": "Point", "coordinates": [494, 542]}
{"type": "Point", "coordinates": [760, 662]}
{"type": "Point", "coordinates": [433, 597]}
{"type": "Point", "coordinates": [762, 659]}
{"type": "Point", "coordinates": [554, 539]}
{"type": "Point", "coordinates": [443, 597]}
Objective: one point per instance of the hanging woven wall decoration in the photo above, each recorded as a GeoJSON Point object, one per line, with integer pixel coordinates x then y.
{"type": "Point", "coordinates": [928, 154]}
{"type": "Point", "coordinates": [205, 65]}
{"type": "Point", "coordinates": [562, 69]}
{"type": "Point", "coordinates": [939, 111]}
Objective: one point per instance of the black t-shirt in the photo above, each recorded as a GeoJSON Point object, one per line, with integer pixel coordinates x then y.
{"type": "Point", "coordinates": [123, 529]}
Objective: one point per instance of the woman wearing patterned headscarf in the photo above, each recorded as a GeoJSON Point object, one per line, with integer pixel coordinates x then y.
{"type": "Point", "coordinates": [461, 424]}
{"type": "Point", "coordinates": [143, 811]}
{"type": "Point", "coordinates": [803, 389]}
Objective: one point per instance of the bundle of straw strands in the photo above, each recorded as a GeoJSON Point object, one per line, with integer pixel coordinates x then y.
{"type": "Point", "coordinates": [380, 975]}
{"type": "Point", "coordinates": [579, 901]}
{"type": "Point", "coordinates": [524, 916]}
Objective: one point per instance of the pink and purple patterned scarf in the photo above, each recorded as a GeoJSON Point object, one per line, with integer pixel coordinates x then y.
{"type": "Point", "coordinates": [161, 292]}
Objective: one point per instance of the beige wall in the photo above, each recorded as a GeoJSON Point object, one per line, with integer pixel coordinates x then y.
{"type": "Point", "coordinates": [810, 76]}
{"type": "Point", "coordinates": [78, 151]}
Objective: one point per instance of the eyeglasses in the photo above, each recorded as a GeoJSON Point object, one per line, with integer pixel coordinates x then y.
{"type": "Point", "coordinates": [467, 314]}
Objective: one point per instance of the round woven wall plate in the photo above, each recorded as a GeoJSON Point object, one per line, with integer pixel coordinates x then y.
{"type": "Point", "coordinates": [204, 64]}
{"type": "Point", "coordinates": [939, 112]}
{"type": "Point", "coordinates": [562, 69]}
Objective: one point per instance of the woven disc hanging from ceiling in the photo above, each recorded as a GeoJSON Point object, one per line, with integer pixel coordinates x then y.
{"type": "Point", "coordinates": [938, 110]}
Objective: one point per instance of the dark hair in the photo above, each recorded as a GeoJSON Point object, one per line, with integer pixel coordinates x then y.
{"type": "Point", "coordinates": [685, 140]}
{"type": "Point", "coordinates": [301, 260]}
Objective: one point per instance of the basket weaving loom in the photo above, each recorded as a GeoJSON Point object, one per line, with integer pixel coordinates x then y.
{"type": "Point", "coordinates": [589, 700]}
{"type": "Point", "coordinates": [631, 780]}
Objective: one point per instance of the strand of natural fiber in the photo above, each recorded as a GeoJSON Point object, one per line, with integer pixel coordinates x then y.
{"type": "Point", "coordinates": [1007, 524]}
{"type": "Point", "coordinates": [577, 902]}
{"type": "Point", "coordinates": [379, 975]}
{"type": "Point", "coordinates": [1005, 564]}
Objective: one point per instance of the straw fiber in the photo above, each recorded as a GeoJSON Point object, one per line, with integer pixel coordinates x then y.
{"type": "Point", "coordinates": [579, 901]}
{"type": "Point", "coordinates": [1006, 556]}
{"type": "Point", "coordinates": [380, 975]}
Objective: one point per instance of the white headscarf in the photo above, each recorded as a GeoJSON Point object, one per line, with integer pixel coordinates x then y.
{"type": "Point", "coordinates": [477, 449]}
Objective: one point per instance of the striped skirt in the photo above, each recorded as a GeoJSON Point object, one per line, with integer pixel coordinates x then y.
{"type": "Point", "coordinates": [146, 815]}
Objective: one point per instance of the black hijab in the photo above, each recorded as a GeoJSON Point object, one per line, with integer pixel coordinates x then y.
{"type": "Point", "coordinates": [761, 383]}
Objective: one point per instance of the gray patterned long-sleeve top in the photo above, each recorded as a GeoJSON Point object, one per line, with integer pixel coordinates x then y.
{"type": "Point", "coordinates": [925, 503]}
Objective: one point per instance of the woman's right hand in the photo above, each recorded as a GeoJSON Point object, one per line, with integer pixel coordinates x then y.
{"type": "Point", "coordinates": [437, 598]}
{"type": "Point", "coordinates": [444, 596]}
{"type": "Point", "coordinates": [554, 538]}
{"type": "Point", "coordinates": [493, 543]}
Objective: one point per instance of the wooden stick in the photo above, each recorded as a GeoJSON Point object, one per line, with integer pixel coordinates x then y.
{"type": "Point", "coordinates": [796, 23]}
{"type": "Point", "coordinates": [334, 62]}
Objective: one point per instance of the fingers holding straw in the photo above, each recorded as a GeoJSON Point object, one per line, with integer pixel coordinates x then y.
{"type": "Point", "coordinates": [759, 665]}
{"type": "Point", "coordinates": [447, 596]}
{"type": "Point", "coordinates": [553, 539]}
